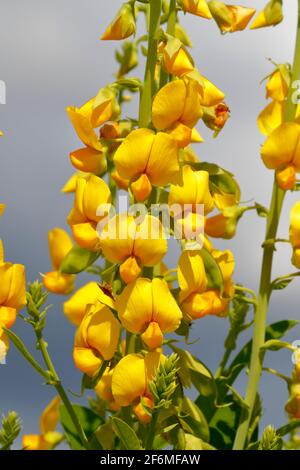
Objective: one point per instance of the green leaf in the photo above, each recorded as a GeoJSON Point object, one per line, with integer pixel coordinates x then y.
{"type": "Point", "coordinates": [213, 271]}
{"type": "Point", "coordinates": [193, 420]}
{"type": "Point", "coordinates": [105, 436]}
{"type": "Point", "coordinates": [238, 398]}
{"type": "Point", "coordinates": [289, 427]}
{"type": "Point", "coordinates": [126, 434]}
{"type": "Point", "coordinates": [224, 424]}
{"type": "Point", "coordinates": [195, 443]}
{"type": "Point", "coordinates": [89, 420]}
{"type": "Point", "coordinates": [77, 260]}
{"type": "Point", "coordinates": [261, 210]}
{"type": "Point", "coordinates": [276, 345]}
{"type": "Point", "coordinates": [280, 285]}
{"type": "Point", "coordinates": [192, 371]}
{"type": "Point", "coordinates": [131, 83]}
{"type": "Point", "coordinates": [274, 331]}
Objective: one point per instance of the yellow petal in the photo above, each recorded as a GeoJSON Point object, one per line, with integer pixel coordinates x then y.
{"type": "Point", "coordinates": [89, 160]}
{"type": "Point", "coordinates": [282, 146]}
{"type": "Point", "coordinates": [192, 110]}
{"type": "Point", "coordinates": [132, 156]}
{"type": "Point", "coordinates": [34, 442]}
{"type": "Point", "coordinates": [60, 244]}
{"type": "Point", "coordinates": [141, 188]}
{"type": "Point", "coordinates": [116, 240]}
{"type": "Point", "coordinates": [2, 209]}
{"type": "Point", "coordinates": [150, 244]}
{"type": "Point", "coordinates": [153, 336]}
{"type": "Point", "coordinates": [86, 360]}
{"type": "Point", "coordinates": [225, 260]}
{"type": "Point", "coordinates": [286, 177]}
{"type": "Point", "coordinates": [75, 307]}
{"type": "Point", "coordinates": [191, 273]}
{"type": "Point", "coordinates": [86, 236]}
{"type": "Point", "coordinates": [194, 191]}
{"type": "Point", "coordinates": [179, 64]}
{"type": "Point", "coordinates": [96, 194]}
{"type": "Point", "coordinates": [196, 7]}
{"type": "Point", "coordinates": [83, 128]}
{"type": "Point", "coordinates": [277, 86]}
{"type": "Point", "coordinates": [181, 134]}
{"type": "Point", "coordinates": [295, 225]}
{"type": "Point", "coordinates": [8, 316]}
{"type": "Point", "coordinates": [16, 297]}
{"type": "Point", "coordinates": [50, 416]}
{"type": "Point", "coordinates": [129, 379]}
{"type": "Point", "coordinates": [122, 26]}
{"type": "Point", "coordinates": [101, 330]}
{"type": "Point", "coordinates": [271, 117]}
{"type": "Point", "coordinates": [166, 312]}
{"type": "Point", "coordinates": [168, 104]}
{"type": "Point", "coordinates": [58, 283]}
{"type": "Point", "coordinates": [163, 166]}
{"type": "Point", "coordinates": [130, 270]}
{"type": "Point", "coordinates": [135, 305]}
{"type": "Point", "coordinates": [211, 94]}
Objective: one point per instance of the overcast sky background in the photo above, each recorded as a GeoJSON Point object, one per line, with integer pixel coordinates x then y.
{"type": "Point", "coordinates": [50, 57]}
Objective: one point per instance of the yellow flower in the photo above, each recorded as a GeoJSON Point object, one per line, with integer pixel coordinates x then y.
{"type": "Point", "coordinates": [196, 7]}
{"type": "Point", "coordinates": [271, 117]}
{"type": "Point", "coordinates": [93, 114]}
{"type": "Point", "coordinates": [178, 102]}
{"type": "Point", "coordinates": [104, 389]}
{"type": "Point", "coordinates": [271, 15]}
{"type": "Point", "coordinates": [48, 437]}
{"type": "Point", "coordinates": [282, 150]}
{"type": "Point", "coordinates": [75, 307]}
{"type": "Point", "coordinates": [89, 160]}
{"type": "Point", "coordinates": [96, 339]}
{"type": "Point", "coordinates": [147, 159]}
{"type": "Point", "coordinates": [12, 290]}
{"type": "Point", "coordinates": [2, 209]}
{"type": "Point", "coordinates": [278, 84]}
{"type": "Point", "coordinates": [176, 63]}
{"type": "Point", "coordinates": [196, 298]}
{"type": "Point", "coordinates": [130, 381]}
{"type": "Point", "coordinates": [70, 185]}
{"type": "Point", "coordinates": [133, 244]}
{"type": "Point", "coordinates": [210, 95]}
{"type": "Point", "coordinates": [295, 234]}
{"type": "Point", "coordinates": [148, 308]}
{"type": "Point", "coordinates": [123, 25]}
{"type": "Point", "coordinates": [92, 196]}
{"type": "Point", "coordinates": [185, 201]}
{"type": "Point", "coordinates": [60, 244]}
{"type": "Point", "coordinates": [230, 18]}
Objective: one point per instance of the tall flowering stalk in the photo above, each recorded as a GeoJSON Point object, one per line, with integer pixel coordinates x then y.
{"type": "Point", "coordinates": [134, 319]}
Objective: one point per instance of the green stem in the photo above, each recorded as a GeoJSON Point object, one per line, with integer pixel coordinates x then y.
{"type": "Point", "coordinates": [223, 363]}
{"type": "Point", "coordinates": [42, 345]}
{"type": "Point", "coordinates": [151, 431]}
{"type": "Point", "coordinates": [256, 362]}
{"type": "Point", "coordinates": [172, 19]}
{"type": "Point", "coordinates": [149, 81]}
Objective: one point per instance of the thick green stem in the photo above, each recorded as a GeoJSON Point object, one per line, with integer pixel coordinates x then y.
{"type": "Point", "coordinates": [256, 362]}
{"type": "Point", "coordinates": [151, 431]}
{"type": "Point", "coordinates": [42, 345]}
{"type": "Point", "coordinates": [149, 81]}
